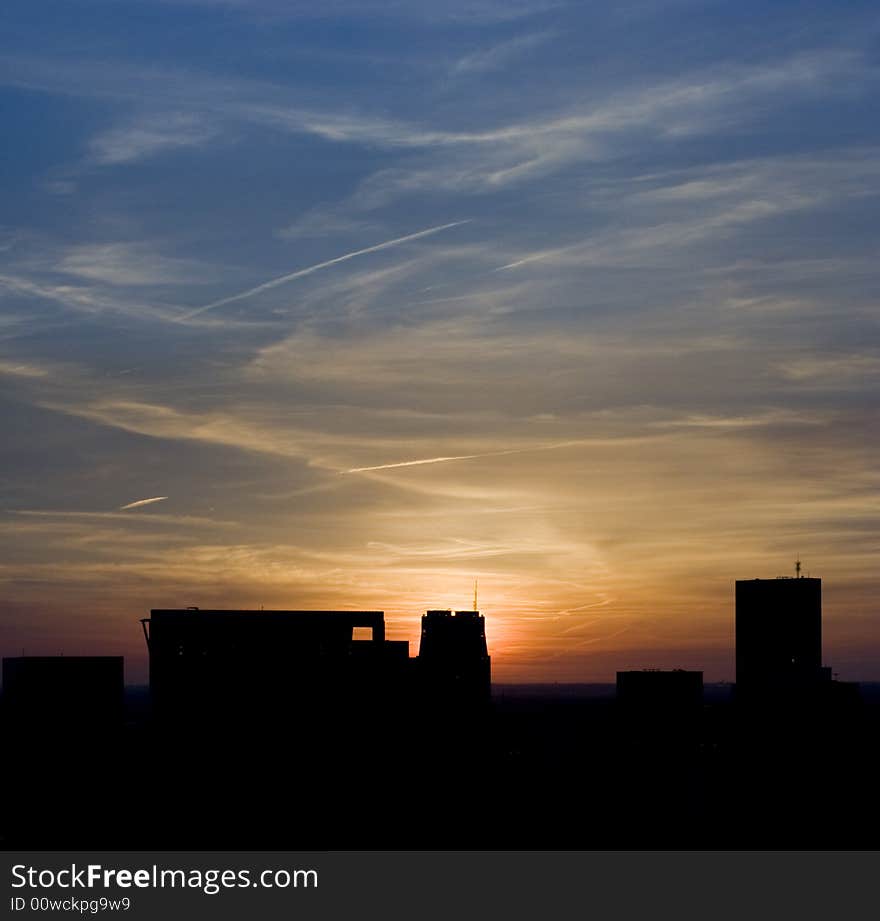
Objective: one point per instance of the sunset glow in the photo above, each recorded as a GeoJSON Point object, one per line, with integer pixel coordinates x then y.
{"type": "Point", "coordinates": [298, 316]}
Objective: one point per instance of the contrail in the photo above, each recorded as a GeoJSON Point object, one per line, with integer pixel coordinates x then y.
{"type": "Point", "coordinates": [283, 279]}
{"type": "Point", "coordinates": [141, 502]}
{"type": "Point", "coordinates": [458, 457]}
{"type": "Point", "coordinates": [415, 463]}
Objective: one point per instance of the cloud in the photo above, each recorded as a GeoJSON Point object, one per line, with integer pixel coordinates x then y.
{"type": "Point", "coordinates": [499, 55]}
{"type": "Point", "coordinates": [61, 515]}
{"type": "Point", "coordinates": [85, 300]}
{"type": "Point", "coordinates": [9, 239]}
{"type": "Point", "coordinates": [190, 110]}
{"type": "Point", "coordinates": [592, 131]}
{"type": "Point", "coordinates": [129, 265]}
{"type": "Point", "coordinates": [828, 372]}
{"type": "Point", "coordinates": [16, 369]}
{"type": "Point", "coordinates": [149, 136]}
{"type": "Point", "coordinates": [116, 270]}
{"type": "Point", "coordinates": [323, 222]}
{"type": "Point", "coordinates": [691, 208]}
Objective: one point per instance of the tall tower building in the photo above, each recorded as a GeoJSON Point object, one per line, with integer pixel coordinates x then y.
{"type": "Point", "coordinates": [778, 634]}
{"type": "Point", "coordinates": [454, 663]}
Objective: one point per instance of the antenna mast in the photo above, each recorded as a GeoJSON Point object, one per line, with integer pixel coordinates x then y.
{"type": "Point", "coordinates": [797, 568]}
{"type": "Point", "coordinates": [475, 596]}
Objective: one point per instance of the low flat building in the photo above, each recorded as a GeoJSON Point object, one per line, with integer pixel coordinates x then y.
{"type": "Point", "coordinates": [263, 665]}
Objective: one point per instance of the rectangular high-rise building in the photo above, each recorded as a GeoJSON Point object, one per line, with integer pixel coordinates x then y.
{"type": "Point", "coordinates": [778, 633]}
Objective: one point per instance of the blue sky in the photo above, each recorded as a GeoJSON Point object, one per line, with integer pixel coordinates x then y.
{"type": "Point", "coordinates": [608, 274]}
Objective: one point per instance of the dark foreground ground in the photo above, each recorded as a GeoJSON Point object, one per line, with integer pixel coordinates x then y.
{"type": "Point", "coordinates": [544, 767]}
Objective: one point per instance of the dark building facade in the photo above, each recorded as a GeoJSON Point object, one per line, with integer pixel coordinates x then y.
{"type": "Point", "coordinates": [778, 635]}
{"type": "Point", "coordinates": [262, 664]}
{"type": "Point", "coordinates": [63, 694]}
{"type": "Point", "coordinates": [454, 663]}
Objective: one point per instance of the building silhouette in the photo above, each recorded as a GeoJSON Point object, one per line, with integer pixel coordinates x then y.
{"type": "Point", "coordinates": [779, 636]}
{"type": "Point", "coordinates": [454, 662]}
{"type": "Point", "coordinates": [262, 665]}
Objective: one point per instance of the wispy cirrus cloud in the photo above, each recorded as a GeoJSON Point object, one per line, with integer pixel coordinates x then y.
{"type": "Point", "coordinates": [499, 55]}
{"type": "Point", "coordinates": [65, 519]}
{"type": "Point", "coordinates": [149, 136]}
{"type": "Point", "coordinates": [127, 264]}
{"type": "Point", "coordinates": [20, 369]}
{"type": "Point", "coordinates": [83, 299]}
{"type": "Point", "coordinates": [324, 222]}
{"type": "Point", "coordinates": [193, 110]}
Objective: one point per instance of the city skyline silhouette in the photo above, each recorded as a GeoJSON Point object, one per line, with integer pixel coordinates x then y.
{"type": "Point", "coordinates": [778, 630]}
{"type": "Point", "coordinates": [137, 668]}
{"type": "Point", "coordinates": [371, 747]}
{"type": "Point", "coordinates": [439, 425]}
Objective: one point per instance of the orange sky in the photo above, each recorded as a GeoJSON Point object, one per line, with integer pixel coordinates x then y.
{"type": "Point", "coordinates": [619, 552]}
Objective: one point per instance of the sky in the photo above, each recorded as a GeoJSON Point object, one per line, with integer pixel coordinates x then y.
{"type": "Point", "coordinates": [351, 304]}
